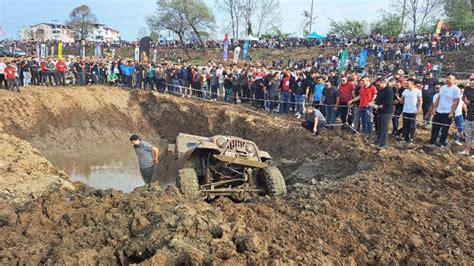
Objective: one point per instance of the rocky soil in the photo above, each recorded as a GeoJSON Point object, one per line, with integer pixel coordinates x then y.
{"type": "Point", "coordinates": [345, 203]}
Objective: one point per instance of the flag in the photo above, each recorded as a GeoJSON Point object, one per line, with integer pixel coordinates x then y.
{"type": "Point", "coordinates": [343, 61]}
{"type": "Point", "coordinates": [155, 54]}
{"type": "Point", "coordinates": [60, 50]}
{"type": "Point", "coordinates": [226, 46]}
{"type": "Point", "coordinates": [113, 53]}
{"type": "Point", "coordinates": [52, 50]}
{"type": "Point", "coordinates": [439, 26]}
{"type": "Point", "coordinates": [38, 50]}
{"type": "Point", "coordinates": [1, 32]}
{"type": "Point", "coordinates": [144, 47]}
{"type": "Point", "coordinates": [98, 50]}
{"type": "Point", "coordinates": [43, 50]}
{"type": "Point", "coordinates": [246, 49]}
{"type": "Point", "coordinates": [83, 51]}
{"type": "Point", "coordinates": [362, 58]}
{"type": "Point", "coordinates": [236, 54]}
{"type": "Point", "coordinates": [137, 53]}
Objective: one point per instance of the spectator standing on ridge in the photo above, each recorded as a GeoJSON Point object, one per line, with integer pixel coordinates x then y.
{"type": "Point", "coordinates": [444, 108]}
{"type": "Point", "coordinates": [330, 100]}
{"type": "Point", "coordinates": [301, 91]}
{"type": "Point", "coordinates": [367, 95]}
{"type": "Point", "coordinates": [412, 102]}
{"type": "Point", "coordinates": [384, 106]}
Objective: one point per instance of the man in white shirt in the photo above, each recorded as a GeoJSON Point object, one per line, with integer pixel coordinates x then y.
{"type": "Point", "coordinates": [2, 73]}
{"type": "Point", "coordinates": [412, 101]}
{"type": "Point", "coordinates": [445, 108]}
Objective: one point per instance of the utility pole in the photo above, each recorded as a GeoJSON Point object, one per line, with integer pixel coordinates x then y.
{"type": "Point", "coordinates": [311, 17]}
{"type": "Point", "coordinates": [403, 15]}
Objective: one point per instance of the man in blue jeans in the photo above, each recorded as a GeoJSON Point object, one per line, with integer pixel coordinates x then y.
{"type": "Point", "coordinates": [366, 97]}
{"type": "Point", "coordinates": [286, 90]}
{"type": "Point", "coordinates": [330, 100]}
{"type": "Point", "coordinates": [384, 106]}
{"type": "Point", "coordinates": [301, 90]}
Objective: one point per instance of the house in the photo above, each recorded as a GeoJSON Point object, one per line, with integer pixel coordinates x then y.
{"type": "Point", "coordinates": [52, 32]}
{"type": "Point", "coordinates": [102, 33]}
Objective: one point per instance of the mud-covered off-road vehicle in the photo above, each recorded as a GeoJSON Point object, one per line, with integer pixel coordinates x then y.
{"type": "Point", "coordinates": [224, 166]}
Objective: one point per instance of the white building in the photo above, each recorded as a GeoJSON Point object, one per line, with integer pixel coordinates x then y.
{"type": "Point", "coordinates": [102, 33]}
{"type": "Point", "coordinates": [52, 32]}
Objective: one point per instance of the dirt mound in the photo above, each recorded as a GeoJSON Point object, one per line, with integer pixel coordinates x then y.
{"type": "Point", "coordinates": [345, 203]}
{"type": "Point", "coordinates": [24, 173]}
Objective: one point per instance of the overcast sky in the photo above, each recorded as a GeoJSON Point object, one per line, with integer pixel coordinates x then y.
{"type": "Point", "coordinates": [128, 16]}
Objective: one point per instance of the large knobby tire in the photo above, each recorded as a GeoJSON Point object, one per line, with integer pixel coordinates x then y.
{"type": "Point", "coordinates": [273, 181]}
{"type": "Point", "coordinates": [187, 182]}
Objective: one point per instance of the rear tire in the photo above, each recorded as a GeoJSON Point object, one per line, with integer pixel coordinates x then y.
{"type": "Point", "coordinates": [272, 181]}
{"type": "Point", "coordinates": [187, 182]}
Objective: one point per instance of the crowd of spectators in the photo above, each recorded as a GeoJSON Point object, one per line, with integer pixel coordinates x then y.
{"type": "Point", "coordinates": [317, 91]}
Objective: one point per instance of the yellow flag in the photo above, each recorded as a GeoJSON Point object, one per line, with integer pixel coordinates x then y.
{"type": "Point", "coordinates": [60, 50]}
{"type": "Point", "coordinates": [439, 26]}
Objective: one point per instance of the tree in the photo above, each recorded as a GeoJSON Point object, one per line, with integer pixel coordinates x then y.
{"type": "Point", "coordinates": [267, 15]}
{"type": "Point", "coordinates": [142, 32]}
{"type": "Point", "coordinates": [26, 33]}
{"type": "Point", "coordinates": [168, 17]}
{"type": "Point", "coordinates": [388, 24]}
{"type": "Point", "coordinates": [81, 20]}
{"type": "Point", "coordinates": [306, 23]}
{"type": "Point", "coordinates": [277, 33]}
{"type": "Point", "coordinates": [248, 8]}
{"type": "Point", "coordinates": [348, 28]}
{"type": "Point", "coordinates": [419, 12]}
{"type": "Point", "coordinates": [198, 16]}
{"type": "Point", "coordinates": [154, 36]}
{"type": "Point", "coordinates": [459, 14]}
{"type": "Point", "coordinates": [233, 10]}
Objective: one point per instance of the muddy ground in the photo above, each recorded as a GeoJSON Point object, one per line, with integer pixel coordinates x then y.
{"type": "Point", "coordinates": [345, 203]}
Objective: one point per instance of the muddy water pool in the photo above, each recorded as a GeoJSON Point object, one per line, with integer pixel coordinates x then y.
{"type": "Point", "coordinates": [113, 166]}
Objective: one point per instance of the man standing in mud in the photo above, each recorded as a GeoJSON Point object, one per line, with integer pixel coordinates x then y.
{"type": "Point", "coordinates": [148, 158]}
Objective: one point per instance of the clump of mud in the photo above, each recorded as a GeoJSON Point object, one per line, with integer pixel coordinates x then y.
{"type": "Point", "coordinates": [345, 203]}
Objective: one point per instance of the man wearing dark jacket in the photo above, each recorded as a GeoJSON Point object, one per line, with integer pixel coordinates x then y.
{"type": "Point", "coordinates": [384, 106]}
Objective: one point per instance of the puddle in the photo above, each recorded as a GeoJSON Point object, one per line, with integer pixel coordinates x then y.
{"type": "Point", "coordinates": [104, 167]}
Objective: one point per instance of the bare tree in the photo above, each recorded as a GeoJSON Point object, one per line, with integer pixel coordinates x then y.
{"type": "Point", "coordinates": [268, 15]}
{"type": "Point", "coordinates": [82, 20]}
{"type": "Point", "coordinates": [233, 10]}
{"type": "Point", "coordinates": [248, 9]}
{"type": "Point", "coordinates": [419, 12]}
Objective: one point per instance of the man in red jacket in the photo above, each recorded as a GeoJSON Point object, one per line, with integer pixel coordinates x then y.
{"type": "Point", "coordinates": [366, 98]}
{"type": "Point", "coordinates": [61, 68]}
{"type": "Point", "coordinates": [11, 75]}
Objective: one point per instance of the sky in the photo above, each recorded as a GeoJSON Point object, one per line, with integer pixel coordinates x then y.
{"type": "Point", "coordinates": [128, 16]}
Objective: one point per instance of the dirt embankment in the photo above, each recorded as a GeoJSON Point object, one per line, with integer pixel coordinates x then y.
{"type": "Point", "coordinates": [345, 204]}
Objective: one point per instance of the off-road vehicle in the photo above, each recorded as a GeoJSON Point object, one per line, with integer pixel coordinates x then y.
{"type": "Point", "coordinates": [224, 166]}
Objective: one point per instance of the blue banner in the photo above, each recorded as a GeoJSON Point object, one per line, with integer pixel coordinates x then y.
{"type": "Point", "coordinates": [246, 49]}
{"type": "Point", "coordinates": [98, 50]}
{"type": "Point", "coordinates": [226, 47]}
{"type": "Point", "coordinates": [362, 58]}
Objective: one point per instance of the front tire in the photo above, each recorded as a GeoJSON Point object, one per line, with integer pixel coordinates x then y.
{"type": "Point", "coordinates": [272, 181]}
{"type": "Point", "coordinates": [187, 182]}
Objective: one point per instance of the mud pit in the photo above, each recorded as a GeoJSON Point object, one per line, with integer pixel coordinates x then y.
{"type": "Point", "coordinates": [344, 203]}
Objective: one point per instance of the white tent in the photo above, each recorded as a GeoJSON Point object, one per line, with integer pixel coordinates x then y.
{"type": "Point", "coordinates": [251, 38]}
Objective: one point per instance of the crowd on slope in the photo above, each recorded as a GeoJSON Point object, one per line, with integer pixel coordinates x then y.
{"type": "Point", "coordinates": [317, 90]}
